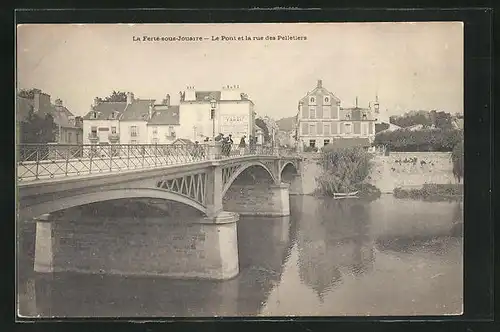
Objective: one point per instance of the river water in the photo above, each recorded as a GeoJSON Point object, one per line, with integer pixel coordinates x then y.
{"type": "Point", "coordinates": [329, 258]}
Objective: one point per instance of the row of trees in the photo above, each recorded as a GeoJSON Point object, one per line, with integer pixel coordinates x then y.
{"type": "Point", "coordinates": [439, 119]}
{"type": "Point", "coordinates": [37, 128]}
{"type": "Point", "coordinates": [420, 140]}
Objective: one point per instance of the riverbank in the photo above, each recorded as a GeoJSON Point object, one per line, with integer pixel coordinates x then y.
{"type": "Point", "coordinates": [432, 192]}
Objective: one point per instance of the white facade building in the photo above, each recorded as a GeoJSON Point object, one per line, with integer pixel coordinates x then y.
{"type": "Point", "coordinates": [234, 114]}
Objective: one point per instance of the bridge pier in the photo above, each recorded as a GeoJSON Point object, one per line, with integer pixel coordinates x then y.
{"type": "Point", "coordinates": [203, 247]}
{"type": "Point", "coordinates": [258, 200]}
{"type": "Point", "coordinates": [44, 245]}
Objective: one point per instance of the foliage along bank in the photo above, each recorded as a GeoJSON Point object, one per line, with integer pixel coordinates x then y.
{"type": "Point", "coordinates": [344, 170]}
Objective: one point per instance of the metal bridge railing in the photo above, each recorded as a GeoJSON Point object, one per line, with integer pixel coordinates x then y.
{"type": "Point", "coordinates": [47, 161]}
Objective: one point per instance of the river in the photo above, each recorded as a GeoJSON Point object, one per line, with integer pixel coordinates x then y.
{"type": "Point", "coordinates": [329, 258]}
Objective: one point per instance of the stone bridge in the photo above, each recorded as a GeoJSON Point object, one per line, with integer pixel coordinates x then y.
{"type": "Point", "coordinates": [220, 189]}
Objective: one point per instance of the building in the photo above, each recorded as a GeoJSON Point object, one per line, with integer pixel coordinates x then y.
{"type": "Point", "coordinates": [233, 114]}
{"type": "Point", "coordinates": [164, 123]}
{"type": "Point", "coordinates": [102, 123]}
{"type": "Point", "coordinates": [321, 119]}
{"type": "Point", "coordinates": [69, 127]}
{"type": "Point", "coordinates": [134, 120]}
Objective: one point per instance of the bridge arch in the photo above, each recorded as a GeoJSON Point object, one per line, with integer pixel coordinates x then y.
{"type": "Point", "coordinates": [30, 212]}
{"type": "Point", "coordinates": [288, 163]}
{"type": "Point", "coordinates": [243, 168]}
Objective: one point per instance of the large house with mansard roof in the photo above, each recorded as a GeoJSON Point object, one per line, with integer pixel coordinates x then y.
{"type": "Point", "coordinates": [321, 120]}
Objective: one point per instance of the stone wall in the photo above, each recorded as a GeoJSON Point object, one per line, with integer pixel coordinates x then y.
{"type": "Point", "coordinates": [389, 172]}
{"type": "Point", "coordinates": [411, 169]}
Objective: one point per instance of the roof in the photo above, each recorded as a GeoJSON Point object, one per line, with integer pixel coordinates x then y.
{"type": "Point", "coordinates": [105, 109]}
{"type": "Point", "coordinates": [138, 110]}
{"type": "Point", "coordinates": [323, 90]}
{"type": "Point", "coordinates": [182, 141]}
{"type": "Point", "coordinates": [340, 143]}
{"type": "Point", "coordinates": [169, 116]}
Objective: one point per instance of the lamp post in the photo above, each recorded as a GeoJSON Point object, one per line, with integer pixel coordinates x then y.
{"type": "Point", "coordinates": [213, 106]}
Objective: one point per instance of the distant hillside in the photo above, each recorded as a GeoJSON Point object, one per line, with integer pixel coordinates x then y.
{"type": "Point", "coordinates": [286, 124]}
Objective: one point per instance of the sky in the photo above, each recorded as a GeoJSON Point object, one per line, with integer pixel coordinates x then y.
{"type": "Point", "coordinates": [411, 66]}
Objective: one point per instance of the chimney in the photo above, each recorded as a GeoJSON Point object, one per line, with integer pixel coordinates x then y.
{"type": "Point", "coordinates": [130, 98]}
{"type": "Point", "coordinates": [190, 94]}
{"type": "Point", "coordinates": [167, 100]}
{"type": "Point", "coordinates": [58, 102]}
{"type": "Point", "coordinates": [320, 83]}
{"type": "Point", "coordinates": [96, 101]}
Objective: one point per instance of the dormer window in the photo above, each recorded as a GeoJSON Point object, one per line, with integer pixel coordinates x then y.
{"type": "Point", "coordinates": [327, 100]}
{"type": "Point", "coordinates": [348, 116]}
{"type": "Point", "coordinates": [312, 100]}
{"type": "Point", "coordinates": [93, 115]}
{"type": "Point", "coordinates": [364, 116]}
{"type": "Point", "coordinates": [113, 115]}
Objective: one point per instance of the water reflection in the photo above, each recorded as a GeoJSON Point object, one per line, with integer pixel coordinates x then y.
{"type": "Point", "coordinates": [331, 257]}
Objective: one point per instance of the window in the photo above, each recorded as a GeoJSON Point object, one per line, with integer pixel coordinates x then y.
{"type": "Point", "coordinates": [171, 130]}
{"type": "Point", "coordinates": [93, 131]}
{"type": "Point", "coordinates": [335, 130]}
{"type": "Point", "coordinates": [93, 115]}
{"type": "Point", "coordinates": [133, 131]}
{"type": "Point", "coordinates": [363, 116]}
{"type": "Point", "coordinates": [326, 129]}
{"type": "Point", "coordinates": [326, 142]}
{"type": "Point", "coordinates": [155, 130]}
{"type": "Point", "coordinates": [113, 130]}
{"type": "Point", "coordinates": [370, 128]}
{"type": "Point", "coordinates": [69, 137]}
{"type": "Point", "coordinates": [364, 128]}
{"type": "Point", "coordinates": [326, 100]}
{"type": "Point", "coordinates": [312, 143]}
{"type": "Point", "coordinates": [133, 141]}
{"type": "Point", "coordinates": [327, 110]}
{"type": "Point", "coordinates": [347, 128]}
{"type": "Point", "coordinates": [113, 115]}
{"type": "Point", "coordinates": [357, 127]}
{"type": "Point", "coordinates": [312, 129]}
{"type": "Point", "coordinates": [312, 113]}
{"type": "Point", "coordinates": [312, 100]}
{"type": "Point", "coordinates": [77, 136]}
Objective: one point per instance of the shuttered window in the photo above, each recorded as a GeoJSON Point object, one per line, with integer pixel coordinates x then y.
{"type": "Point", "coordinates": [320, 128]}
{"type": "Point", "coordinates": [370, 128]}
{"type": "Point", "coordinates": [327, 112]}
{"type": "Point", "coordinates": [312, 129]}
{"type": "Point", "coordinates": [326, 129]}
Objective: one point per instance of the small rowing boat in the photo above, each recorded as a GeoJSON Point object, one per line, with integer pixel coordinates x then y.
{"type": "Point", "coordinates": [345, 195]}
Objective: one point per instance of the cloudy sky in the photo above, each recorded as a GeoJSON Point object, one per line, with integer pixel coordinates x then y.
{"type": "Point", "coordinates": [410, 65]}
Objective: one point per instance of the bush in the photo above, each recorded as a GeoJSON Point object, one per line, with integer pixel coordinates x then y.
{"type": "Point", "coordinates": [344, 170]}
{"type": "Point", "coordinates": [402, 140]}
{"type": "Point", "coordinates": [310, 149]}
{"type": "Point", "coordinates": [457, 158]}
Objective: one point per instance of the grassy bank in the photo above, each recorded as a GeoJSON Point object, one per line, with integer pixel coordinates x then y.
{"type": "Point", "coordinates": [433, 192]}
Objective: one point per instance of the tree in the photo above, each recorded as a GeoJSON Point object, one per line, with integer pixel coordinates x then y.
{"type": "Point", "coordinates": [259, 122]}
{"type": "Point", "coordinates": [457, 157]}
{"type": "Point", "coordinates": [115, 96]}
{"type": "Point", "coordinates": [28, 93]}
{"type": "Point", "coordinates": [411, 119]}
{"type": "Point", "coordinates": [37, 129]}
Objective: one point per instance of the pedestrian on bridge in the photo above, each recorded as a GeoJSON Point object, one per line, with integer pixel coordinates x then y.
{"type": "Point", "coordinates": [242, 145]}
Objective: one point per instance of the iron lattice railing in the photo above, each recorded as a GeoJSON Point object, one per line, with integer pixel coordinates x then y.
{"type": "Point", "coordinates": [47, 161]}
